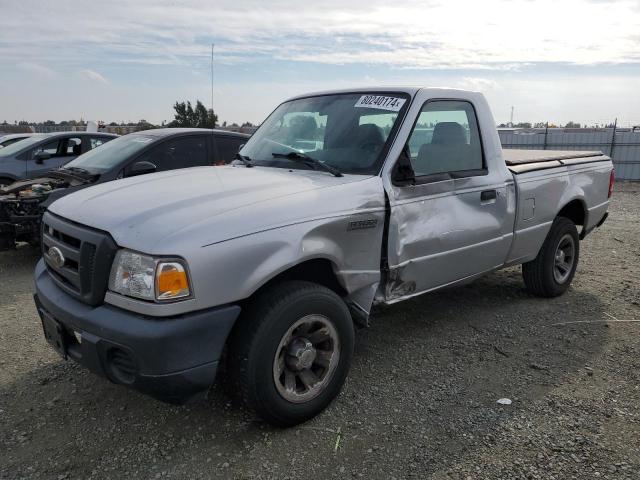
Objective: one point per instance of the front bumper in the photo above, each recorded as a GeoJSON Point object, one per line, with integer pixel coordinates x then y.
{"type": "Point", "coordinates": [169, 358]}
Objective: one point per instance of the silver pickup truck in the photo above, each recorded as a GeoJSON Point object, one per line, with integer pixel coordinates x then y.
{"type": "Point", "coordinates": [341, 200]}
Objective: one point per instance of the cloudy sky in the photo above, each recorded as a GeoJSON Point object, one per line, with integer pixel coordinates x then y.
{"type": "Point", "coordinates": [556, 60]}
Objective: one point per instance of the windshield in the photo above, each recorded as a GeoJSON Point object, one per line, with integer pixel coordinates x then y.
{"type": "Point", "coordinates": [21, 145]}
{"type": "Point", "coordinates": [110, 154]}
{"type": "Point", "coordinates": [346, 131]}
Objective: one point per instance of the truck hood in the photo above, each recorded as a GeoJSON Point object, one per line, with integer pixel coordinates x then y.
{"type": "Point", "coordinates": [205, 205]}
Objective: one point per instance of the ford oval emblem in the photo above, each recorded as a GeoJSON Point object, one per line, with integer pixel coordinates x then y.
{"type": "Point", "coordinates": [56, 257]}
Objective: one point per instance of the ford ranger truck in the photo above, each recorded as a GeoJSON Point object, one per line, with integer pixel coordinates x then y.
{"type": "Point", "coordinates": [341, 200]}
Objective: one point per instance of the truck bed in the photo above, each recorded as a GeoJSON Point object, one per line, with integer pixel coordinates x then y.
{"type": "Point", "coordinates": [520, 161]}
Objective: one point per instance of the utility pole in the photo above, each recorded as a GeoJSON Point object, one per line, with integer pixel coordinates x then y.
{"type": "Point", "coordinates": [212, 77]}
{"type": "Point", "coordinates": [511, 121]}
{"type": "Point", "coordinates": [613, 138]}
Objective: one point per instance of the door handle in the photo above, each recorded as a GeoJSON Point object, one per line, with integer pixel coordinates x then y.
{"type": "Point", "coordinates": [488, 195]}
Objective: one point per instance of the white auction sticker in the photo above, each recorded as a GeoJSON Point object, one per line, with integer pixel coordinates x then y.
{"type": "Point", "coordinates": [392, 104]}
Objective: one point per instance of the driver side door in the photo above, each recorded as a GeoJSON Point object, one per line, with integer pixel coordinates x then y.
{"type": "Point", "coordinates": [449, 224]}
{"type": "Point", "coordinates": [60, 150]}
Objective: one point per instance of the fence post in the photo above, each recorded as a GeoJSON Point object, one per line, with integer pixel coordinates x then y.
{"type": "Point", "coordinates": [546, 131]}
{"type": "Point", "coordinates": [613, 139]}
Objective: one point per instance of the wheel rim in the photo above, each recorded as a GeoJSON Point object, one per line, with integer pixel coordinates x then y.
{"type": "Point", "coordinates": [564, 258]}
{"type": "Point", "coordinates": [306, 359]}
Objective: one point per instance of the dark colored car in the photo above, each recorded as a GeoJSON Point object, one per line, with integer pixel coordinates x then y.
{"type": "Point", "coordinates": [36, 155]}
{"type": "Point", "coordinates": [23, 203]}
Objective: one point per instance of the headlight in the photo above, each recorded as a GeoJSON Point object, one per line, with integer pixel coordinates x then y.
{"type": "Point", "coordinates": [142, 276]}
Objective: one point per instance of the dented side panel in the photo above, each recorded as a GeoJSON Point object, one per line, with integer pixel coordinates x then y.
{"type": "Point", "coordinates": [438, 238]}
{"type": "Point", "coordinates": [444, 232]}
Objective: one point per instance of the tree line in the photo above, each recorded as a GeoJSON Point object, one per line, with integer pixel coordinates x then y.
{"type": "Point", "coordinates": [185, 116]}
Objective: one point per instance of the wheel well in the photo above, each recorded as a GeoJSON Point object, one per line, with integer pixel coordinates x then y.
{"type": "Point", "coordinates": [318, 270]}
{"type": "Point", "coordinates": [574, 211]}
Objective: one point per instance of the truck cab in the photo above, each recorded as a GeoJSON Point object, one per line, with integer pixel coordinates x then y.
{"type": "Point", "coordinates": [340, 200]}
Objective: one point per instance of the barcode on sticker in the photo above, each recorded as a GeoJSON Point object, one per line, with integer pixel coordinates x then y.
{"type": "Point", "coordinates": [393, 104]}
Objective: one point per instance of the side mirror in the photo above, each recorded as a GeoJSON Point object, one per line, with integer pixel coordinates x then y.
{"type": "Point", "coordinates": [141, 168]}
{"type": "Point", "coordinates": [41, 156]}
{"type": "Point", "coordinates": [403, 173]}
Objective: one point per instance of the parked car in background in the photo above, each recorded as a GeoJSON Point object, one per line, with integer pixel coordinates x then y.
{"type": "Point", "coordinates": [6, 140]}
{"type": "Point", "coordinates": [36, 155]}
{"type": "Point", "coordinates": [273, 264]}
{"type": "Point", "coordinates": [22, 203]}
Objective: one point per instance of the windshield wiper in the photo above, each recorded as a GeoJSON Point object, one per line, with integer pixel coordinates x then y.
{"type": "Point", "coordinates": [244, 159]}
{"type": "Point", "coordinates": [306, 159]}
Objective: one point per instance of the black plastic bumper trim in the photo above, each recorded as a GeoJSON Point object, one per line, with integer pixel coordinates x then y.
{"type": "Point", "coordinates": [174, 357]}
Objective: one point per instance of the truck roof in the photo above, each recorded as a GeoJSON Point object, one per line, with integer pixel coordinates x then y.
{"type": "Point", "coordinates": [398, 88]}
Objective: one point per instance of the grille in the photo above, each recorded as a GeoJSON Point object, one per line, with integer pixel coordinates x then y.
{"type": "Point", "coordinates": [77, 257]}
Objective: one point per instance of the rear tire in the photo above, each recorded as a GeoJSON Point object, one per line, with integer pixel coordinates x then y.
{"type": "Point", "coordinates": [290, 352]}
{"type": "Point", "coordinates": [552, 271]}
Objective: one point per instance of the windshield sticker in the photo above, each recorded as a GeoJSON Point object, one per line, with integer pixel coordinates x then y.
{"type": "Point", "coordinates": [392, 104]}
{"type": "Point", "coordinates": [142, 139]}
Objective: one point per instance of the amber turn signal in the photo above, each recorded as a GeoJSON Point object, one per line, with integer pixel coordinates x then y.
{"type": "Point", "coordinates": [171, 281]}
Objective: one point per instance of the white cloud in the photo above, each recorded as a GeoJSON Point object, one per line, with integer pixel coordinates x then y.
{"type": "Point", "coordinates": [478, 84]}
{"type": "Point", "coordinates": [36, 69]}
{"type": "Point", "coordinates": [516, 51]}
{"type": "Point", "coordinates": [493, 34]}
{"type": "Point", "coordinates": [94, 76]}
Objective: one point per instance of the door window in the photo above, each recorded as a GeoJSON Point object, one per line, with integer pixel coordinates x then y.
{"type": "Point", "coordinates": [180, 153]}
{"type": "Point", "coordinates": [74, 147]}
{"type": "Point", "coordinates": [227, 148]}
{"type": "Point", "coordinates": [95, 142]}
{"type": "Point", "coordinates": [445, 139]}
{"type": "Point", "coordinates": [51, 148]}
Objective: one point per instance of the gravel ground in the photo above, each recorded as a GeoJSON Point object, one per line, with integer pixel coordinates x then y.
{"type": "Point", "coordinates": [420, 401]}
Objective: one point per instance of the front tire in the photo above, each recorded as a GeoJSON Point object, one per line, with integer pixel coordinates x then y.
{"type": "Point", "coordinates": [552, 271]}
{"type": "Point", "coordinates": [291, 351]}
